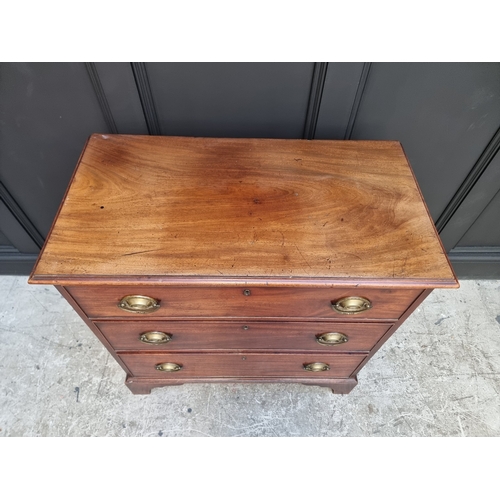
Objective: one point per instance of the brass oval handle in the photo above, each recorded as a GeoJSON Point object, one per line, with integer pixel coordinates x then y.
{"type": "Point", "coordinates": [316, 367]}
{"type": "Point", "coordinates": [155, 338]}
{"type": "Point", "coordinates": [141, 304]}
{"type": "Point", "coordinates": [351, 305]}
{"type": "Point", "coordinates": [331, 338]}
{"type": "Point", "coordinates": [169, 367]}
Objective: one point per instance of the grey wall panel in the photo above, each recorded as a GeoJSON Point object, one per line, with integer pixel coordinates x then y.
{"type": "Point", "coordinates": [47, 112]}
{"type": "Point", "coordinates": [485, 231]}
{"type": "Point", "coordinates": [23, 226]}
{"type": "Point", "coordinates": [118, 84]}
{"type": "Point", "coordinates": [14, 232]}
{"type": "Point", "coordinates": [315, 97]}
{"type": "Point", "coordinates": [444, 114]}
{"type": "Point", "coordinates": [231, 99]}
{"type": "Point", "coordinates": [476, 270]}
{"type": "Point", "coordinates": [13, 262]}
{"type": "Point", "coordinates": [4, 241]}
{"type": "Point", "coordinates": [476, 262]}
{"type": "Point", "coordinates": [340, 88]}
{"type": "Point", "coordinates": [476, 198]}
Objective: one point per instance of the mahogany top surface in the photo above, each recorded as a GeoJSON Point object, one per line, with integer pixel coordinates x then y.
{"type": "Point", "coordinates": [153, 209]}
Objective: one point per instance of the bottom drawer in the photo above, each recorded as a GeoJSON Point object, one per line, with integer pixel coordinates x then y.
{"type": "Point", "coordinates": [251, 365]}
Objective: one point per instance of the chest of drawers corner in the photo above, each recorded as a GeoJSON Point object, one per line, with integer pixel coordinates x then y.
{"type": "Point", "coordinates": [242, 260]}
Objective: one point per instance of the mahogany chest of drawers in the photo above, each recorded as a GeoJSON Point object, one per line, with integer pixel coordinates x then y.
{"type": "Point", "coordinates": [242, 260]}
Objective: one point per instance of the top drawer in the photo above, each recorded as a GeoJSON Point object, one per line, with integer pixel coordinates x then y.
{"type": "Point", "coordinates": [237, 302]}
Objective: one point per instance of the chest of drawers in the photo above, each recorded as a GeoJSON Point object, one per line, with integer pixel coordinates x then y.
{"type": "Point", "coordinates": [242, 260]}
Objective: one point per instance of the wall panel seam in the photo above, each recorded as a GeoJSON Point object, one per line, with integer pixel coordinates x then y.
{"type": "Point", "coordinates": [315, 96]}
{"type": "Point", "coordinates": [472, 177]}
{"type": "Point", "coordinates": [101, 97]}
{"type": "Point", "coordinates": [20, 216]}
{"type": "Point", "coordinates": [357, 99]}
{"type": "Point", "coordinates": [146, 96]}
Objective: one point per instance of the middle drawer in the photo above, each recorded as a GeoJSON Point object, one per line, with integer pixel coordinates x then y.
{"type": "Point", "coordinates": [224, 335]}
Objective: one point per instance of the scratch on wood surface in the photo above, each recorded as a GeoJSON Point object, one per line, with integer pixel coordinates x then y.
{"type": "Point", "coordinates": [143, 251]}
{"type": "Point", "coordinates": [404, 266]}
{"type": "Point", "coordinates": [282, 238]}
{"type": "Point", "coordinates": [353, 255]}
{"type": "Point", "coordinates": [305, 260]}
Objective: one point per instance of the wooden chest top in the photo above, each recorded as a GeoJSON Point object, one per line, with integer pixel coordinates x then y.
{"type": "Point", "coordinates": [181, 210]}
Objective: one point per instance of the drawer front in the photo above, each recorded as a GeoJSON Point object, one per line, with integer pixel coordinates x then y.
{"type": "Point", "coordinates": [200, 335]}
{"type": "Point", "coordinates": [249, 365]}
{"type": "Point", "coordinates": [237, 302]}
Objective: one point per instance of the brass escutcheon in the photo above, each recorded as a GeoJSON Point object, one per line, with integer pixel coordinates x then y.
{"type": "Point", "coordinates": [316, 367]}
{"type": "Point", "coordinates": [351, 305]}
{"type": "Point", "coordinates": [331, 338]}
{"type": "Point", "coordinates": [155, 338]}
{"type": "Point", "coordinates": [169, 367]}
{"type": "Point", "coordinates": [141, 304]}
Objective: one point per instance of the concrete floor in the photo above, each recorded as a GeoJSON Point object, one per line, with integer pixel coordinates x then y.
{"type": "Point", "coordinates": [439, 375]}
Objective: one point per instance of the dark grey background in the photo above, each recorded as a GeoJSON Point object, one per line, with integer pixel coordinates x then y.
{"type": "Point", "coordinates": [446, 115]}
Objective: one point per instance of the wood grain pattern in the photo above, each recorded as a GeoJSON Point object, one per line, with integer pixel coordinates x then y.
{"type": "Point", "coordinates": [263, 302]}
{"type": "Point", "coordinates": [241, 364]}
{"type": "Point", "coordinates": [142, 206]}
{"type": "Point", "coordinates": [245, 243]}
{"type": "Point", "coordinates": [241, 335]}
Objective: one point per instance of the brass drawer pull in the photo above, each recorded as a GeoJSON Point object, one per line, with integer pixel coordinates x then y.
{"type": "Point", "coordinates": [139, 304]}
{"type": "Point", "coordinates": [155, 338]}
{"type": "Point", "coordinates": [331, 338]}
{"type": "Point", "coordinates": [316, 367]}
{"type": "Point", "coordinates": [351, 305]}
{"type": "Point", "coordinates": [169, 367]}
